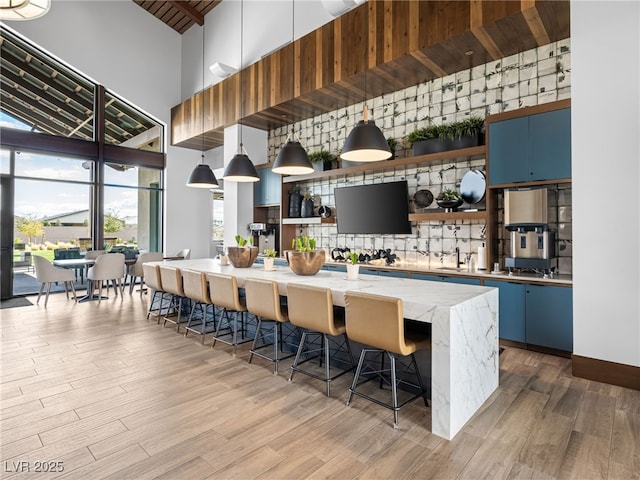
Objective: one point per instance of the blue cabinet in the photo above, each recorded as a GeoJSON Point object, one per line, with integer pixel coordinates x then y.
{"type": "Point", "coordinates": [386, 273]}
{"type": "Point", "coordinates": [511, 310]}
{"type": "Point", "coordinates": [267, 191]}
{"type": "Point", "coordinates": [549, 314]}
{"type": "Point", "coordinates": [439, 278]}
{"type": "Point", "coordinates": [531, 148]}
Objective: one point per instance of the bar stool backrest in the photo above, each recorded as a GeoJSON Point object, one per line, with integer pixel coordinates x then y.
{"type": "Point", "coordinates": [171, 278]}
{"type": "Point", "coordinates": [377, 321]}
{"type": "Point", "coordinates": [263, 299]}
{"type": "Point", "coordinates": [195, 286]}
{"type": "Point", "coordinates": [152, 276]}
{"type": "Point", "coordinates": [311, 307]}
{"type": "Point", "coordinates": [223, 291]}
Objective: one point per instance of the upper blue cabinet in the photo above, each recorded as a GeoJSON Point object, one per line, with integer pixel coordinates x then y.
{"type": "Point", "coordinates": [267, 191]}
{"type": "Point", "coordinates": [530, 148]}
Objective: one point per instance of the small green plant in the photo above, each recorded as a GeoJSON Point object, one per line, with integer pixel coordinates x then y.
{"type": "Point", "coordinates": [307, 195]}
{"type": "Point", "coordinates": [294, 189]}
{"type": "Point", "coordinates": [242, 242]}
{"type": "Point", "coordinates": [449, 195]}
{"type": "Point", "coordinates": [321, 156]}
{"type": "Point", "coordinates": [354, 257]}
{"type": "Point", "coordinates": [393, 143]}
{"type": "Point", "coordinates": [469, 126]}
{"type": "Point", "coordinates": [270, 253]}
{"type": "Point", "coordinates": [425, 133]}
{"type": "Point", "coordinates": [303, 244]}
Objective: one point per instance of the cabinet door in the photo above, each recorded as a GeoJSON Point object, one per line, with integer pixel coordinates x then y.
{"type": "Point", "coordinates": [423, 276]}
{"type": "Point", "coordinates": [511, 310]}
{"type": "Point", "coordinates": [549, 313]}
{"type": "Point", "coordinates": [462, 280]}
{"type": "Point", "coordinates": [385, 273]}
{"type": "Point", "coordinates": [550, 145]}
{"type": "Point", "coordinates": [267, 191]}
{"type": "Point", "coordinates": [508, 151]}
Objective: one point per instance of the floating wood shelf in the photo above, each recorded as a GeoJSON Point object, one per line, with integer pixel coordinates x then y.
{"type": "Point", "coordinates": [308, 220]}
{"type": "Point", "coordinates": [425, 217]}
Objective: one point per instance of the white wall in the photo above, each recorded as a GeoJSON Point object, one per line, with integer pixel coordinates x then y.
{"type": "Point", "coordinates": [606, 156]}
{"type": "Point", "coordinates": [133, 54]}
{"type": "Point", "coordinates": [267, 26]}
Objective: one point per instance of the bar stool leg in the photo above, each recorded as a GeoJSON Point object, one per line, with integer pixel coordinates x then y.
{"type": "Point", "coordinates": [325, 341]}
{"type": "Point", "coordinates": [394, 389]}
{"type": "Point", "coordinates": [356, 375]}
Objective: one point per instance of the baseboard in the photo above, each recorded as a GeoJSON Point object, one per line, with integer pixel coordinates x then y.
{"type": "Point", "coordinates": [613, 373]}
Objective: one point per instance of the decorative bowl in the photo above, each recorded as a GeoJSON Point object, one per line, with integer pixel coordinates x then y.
{"type": "Point", "coordinates": [242, 257]}
{"type": "Point", "coordinates": [450, 205]}
{"type": "Point", "coordinates": [305, 263]}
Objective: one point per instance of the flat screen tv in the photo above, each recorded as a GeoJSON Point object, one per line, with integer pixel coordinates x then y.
{"type": "Point", "coordinates": [381, 208]}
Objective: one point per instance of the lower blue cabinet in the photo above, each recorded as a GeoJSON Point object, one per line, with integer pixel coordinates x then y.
{"type": "Point", "coordinates": [438, 278]}
{"type": "Point", "coordinates": [549, 313]}
{"type": "Point", "coordinates": [511, 310]}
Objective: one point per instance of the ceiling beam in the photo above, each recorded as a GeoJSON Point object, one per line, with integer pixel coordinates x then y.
{"type": "Point", "coordinates": [188, 10]}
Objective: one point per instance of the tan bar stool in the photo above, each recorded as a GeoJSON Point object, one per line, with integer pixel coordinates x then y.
{"type": "Point", "coordinates": [196, 289]}
{"type": "Point", "coordinates": [263, 301]}
{"type": "Point", "coordinates": [223, 290]}
{"type": "Point", "coordinates": [171, 278]}
{"type": "Point", "coordinates": [312, 308]}
{"type": "Point", "coordinates": [152, 280]}
{"type": "Point", "coordinates": [378, 321]}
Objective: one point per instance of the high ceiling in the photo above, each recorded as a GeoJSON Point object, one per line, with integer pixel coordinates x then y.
{"type": "Point", "coordinates": [179, 15]}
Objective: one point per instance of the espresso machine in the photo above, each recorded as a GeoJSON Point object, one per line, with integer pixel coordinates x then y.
{"type": "Point", "coordinates": [265, 235]}
{"type": "Point", "coordinates": [526, 218]}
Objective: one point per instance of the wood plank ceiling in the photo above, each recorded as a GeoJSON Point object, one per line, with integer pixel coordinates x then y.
{"type": "Point", "coordinates": [179, 15]}
{"type": "Point", "coordinates": [397, 43]}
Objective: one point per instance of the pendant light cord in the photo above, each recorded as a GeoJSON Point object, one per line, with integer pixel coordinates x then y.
{"type": "Point", "coordinates": [202, 114]}
{"type": "Point", "coordinates": [241, 70]}
{"type": "Point", "coordinates": [293, 73]}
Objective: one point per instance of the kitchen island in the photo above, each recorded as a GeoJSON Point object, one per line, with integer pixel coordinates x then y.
{"type": "Point", "coordinates": [464, 329]}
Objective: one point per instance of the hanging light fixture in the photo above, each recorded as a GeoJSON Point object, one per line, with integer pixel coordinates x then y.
{"type": "Point", "coordinates": [241, 168]}
{"type": "Point", "coordinates": [202, 176]}
{"type": "Point", "coordinates": [23, 9]}
{"type": "Point", "coordinates": [293, 158]}
{"type": "Point", "coordinates": [365, 143]}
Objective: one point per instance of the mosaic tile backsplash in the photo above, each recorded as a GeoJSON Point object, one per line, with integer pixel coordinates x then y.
{"type": "Point", "coordinates": [530, 78]}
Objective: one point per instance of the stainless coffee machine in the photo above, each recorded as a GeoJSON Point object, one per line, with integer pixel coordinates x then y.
{"type": "Point", "coordinates": [526, 218]}
{"type": "Point", "coordinates": [265, 235]}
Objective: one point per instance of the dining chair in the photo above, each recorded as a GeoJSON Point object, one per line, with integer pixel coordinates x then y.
{"type": "Point", "coordinates": [184, 254]}
{"type": "Point", "coordinates": [378, 321]}
{"type": "Point", "coordinates": [311, 308]}
{"type": "Point", "coordinates": [109, 267]}
{"type": "Point", "coordinates": [136, 271]}
{"type": "Point", "coordinates": [47, 273]}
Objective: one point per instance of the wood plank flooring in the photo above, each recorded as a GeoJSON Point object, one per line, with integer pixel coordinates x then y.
{"type": "Point", "coordinates": [111, 395]}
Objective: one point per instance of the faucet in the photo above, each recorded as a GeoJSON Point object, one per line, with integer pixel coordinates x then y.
{"type": "Point", "coordinates": [458, 263]}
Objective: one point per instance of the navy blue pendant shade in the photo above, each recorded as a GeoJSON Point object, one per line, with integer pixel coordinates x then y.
{"type": "Point", "coordinates": [202, 177]}
{"type": "Point", "coordinates": [292, 160]}
{"type": "Point", "coordinates": [240, 169]}
{"type": "Point", "coordinates": [365, 143]}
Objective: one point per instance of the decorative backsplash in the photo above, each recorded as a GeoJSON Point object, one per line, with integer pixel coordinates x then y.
{"type": "Point", "coordinates": [530, 78]}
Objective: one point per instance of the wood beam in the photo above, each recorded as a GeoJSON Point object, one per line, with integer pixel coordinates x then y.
{"type": "Point", "coordinates": [188, 10]}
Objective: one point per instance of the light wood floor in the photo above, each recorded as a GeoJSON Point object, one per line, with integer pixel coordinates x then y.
{"type": "Point", "coordinates": [112, 395]}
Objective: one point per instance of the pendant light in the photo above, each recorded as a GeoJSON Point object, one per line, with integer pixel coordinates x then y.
{"type": "Point", "coordinates": [293, 158]}
{"type": "Point", "coordinates": [202, 176]}
{"type": "Point", "coordinates": [241, 168]}
{"type": "Point", "coordinates": [365, 143]}
{"type": "Point", "coordinates": [23, 9]}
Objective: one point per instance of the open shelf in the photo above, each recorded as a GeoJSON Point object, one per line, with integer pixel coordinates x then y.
{"type": "Point", "coordinates": [462, 153]}
{"type": "Point", "coordinates": [424, 217]}
{"type": "Point", "coordinates": [308, 220]}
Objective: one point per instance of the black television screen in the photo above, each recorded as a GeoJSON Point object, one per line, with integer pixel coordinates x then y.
{"type": "Point", "coordinates": [380, 208]}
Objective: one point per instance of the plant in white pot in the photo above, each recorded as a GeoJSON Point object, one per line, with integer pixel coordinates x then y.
{"type": "Point", "coordinates": [244, 254]}
{"type": "Point", "coordinates": [305, 259]}
{"type": "Point", "coordinates": [269, 258]}
{"type": "Point", "coordinates": [352, 267]}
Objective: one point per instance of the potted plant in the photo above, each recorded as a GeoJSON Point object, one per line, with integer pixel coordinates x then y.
{"type": "Point", "coordinates": [304, 258]}
{"type": "Point", "coordinates": [306, 209]}
{"type": "Point", "coordinates": [352, 267]}
{"type": "Point", "coordinates": [429, 139]}
{"type": "Point", "coordinates": [468, 133]}
{"type": "Point", "coordinates": [244, 254]}
{"type": "Point", "coordinates": [393, 144]}
{"type": "Point", "coordinates": [322, 160]}
{"type": "Point", "coordinates": [449, 199]}
{"type": "Point", "coordinates": [269, 258]}
{"type": "Point", "coordinates": [295, 201]}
